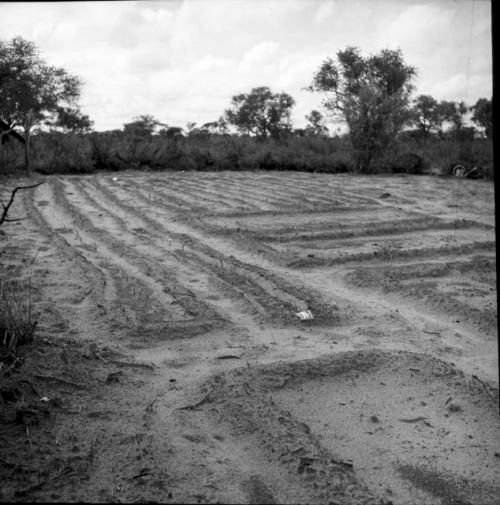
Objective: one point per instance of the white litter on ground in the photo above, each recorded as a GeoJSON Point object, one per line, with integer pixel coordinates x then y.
{"type": "Point", "coordinates": [304, 315]}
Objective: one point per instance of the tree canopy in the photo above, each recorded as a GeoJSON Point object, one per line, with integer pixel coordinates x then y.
{"type": "Point", "coordinates": [261, 113]}
{"type": "Point", "coordinates": [171, 132]}
{"type": "Point", "coordinates": [429, 115]}
{"type": "Point", "coordinates": [31, 91]}
{"type": "Point", "coordinates": [482, 115]}
{"type": "Point", "coordinates": [70, 119]}
{"type": "Point", "coordinates": [142, 126]}
{"type": "Point", "coordinates": [316, 124]}
{"type": "Point", "coordinates": [426, 114]}
{"type": "Point", "coordinates": [371, 94]}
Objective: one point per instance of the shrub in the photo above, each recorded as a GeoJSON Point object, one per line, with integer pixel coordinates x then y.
{"type": "Point", "coordinates": [117, 150]}
{"type": "Point", "coordinates": [62, 153]}
{"type": "Point", "coordinates": [447, 152]}
{"type": "Point", "coordinates": [409, 163]}
{"type": "Point", "coordinates": [11, 156]}
{"type": "Point", "coordinates": [103, 153]}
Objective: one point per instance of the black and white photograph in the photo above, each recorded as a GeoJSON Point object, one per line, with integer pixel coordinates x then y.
{"type": "Point", "coordinates": [248, 252]}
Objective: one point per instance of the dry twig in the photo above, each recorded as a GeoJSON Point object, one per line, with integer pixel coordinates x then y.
{"type": "Point", "coordinates": [61, 380]}
{"type": "Point", "coordinates": [125, 363]}
{"type": "Point", "coordinates": [195, 405]}
{"type": "Point", "coordinates": [3, 217]}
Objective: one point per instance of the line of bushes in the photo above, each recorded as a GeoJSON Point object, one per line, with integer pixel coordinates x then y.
{"type": "Point", "coordinates": [85, 153]}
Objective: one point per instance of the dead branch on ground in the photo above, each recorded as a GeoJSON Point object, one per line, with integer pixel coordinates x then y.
{"type": "Point", "coordinates": [3, 216]}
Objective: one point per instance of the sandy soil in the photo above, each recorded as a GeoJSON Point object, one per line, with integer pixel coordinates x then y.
{"type": "Point", "coordinates": [169, 364]}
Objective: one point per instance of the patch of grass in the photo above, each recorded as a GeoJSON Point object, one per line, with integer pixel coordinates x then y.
{"type": "Point", "coordinates": [16, 325]}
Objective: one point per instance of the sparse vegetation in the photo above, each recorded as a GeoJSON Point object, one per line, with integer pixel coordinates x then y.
{"type": "Point", "coordinates": [86, 153]}
{"type": "Point", "coordinates": [16, 325]}
{"type": "Point", "coordinates": [165, 261]}
{"type": "Point", "coordinates": [217, 321]}
{"type": "Point", "coordinates": [370, 95]}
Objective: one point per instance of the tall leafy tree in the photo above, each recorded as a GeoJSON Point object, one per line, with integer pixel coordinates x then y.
{"type": "Point", "coordinates": [31, 91]}
{"type": "Point", "coordinates": [482, 115]}
{"type": "Point", "coordinates": [261, 113]}
{"type": "Point", "coordinates": [371, 94]}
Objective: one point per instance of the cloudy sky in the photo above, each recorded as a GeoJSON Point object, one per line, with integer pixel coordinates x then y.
{"type": "Point", "coordinates": [182, 61]}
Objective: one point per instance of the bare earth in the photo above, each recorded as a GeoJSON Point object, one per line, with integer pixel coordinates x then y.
{"type": "Point", "coordinates": [176, 369]}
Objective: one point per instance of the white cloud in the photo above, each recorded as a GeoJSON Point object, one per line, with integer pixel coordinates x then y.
{"type": "Point", "coordinates": [325, 11]}
{"type": "Point", "coordinates": [261, 54]}
{"type": "Point", "coordinates": [461, 87]}
{"type": "Point", "coordinates": [183, 60]}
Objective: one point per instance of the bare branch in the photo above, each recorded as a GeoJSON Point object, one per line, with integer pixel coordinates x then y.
{"type": "Point", "coordinates": [3, 217]}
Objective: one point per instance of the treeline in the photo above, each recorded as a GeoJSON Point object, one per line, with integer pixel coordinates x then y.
{"type": "Point", "coordinates": [57, 152]}
{"type": "Point", "coordinates": [387, 130]}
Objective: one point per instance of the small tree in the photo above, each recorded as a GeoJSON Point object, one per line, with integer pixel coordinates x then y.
{"type": "Point", "coordinates": [171, 132]}
{"type": "Point", "coordinates": [457, 116]}
{"type": "Point", "coordinates": [261, 113]}
{"type": "Point", "coordinates": [222, 125]}
{"type": "Point", "coordinates": [30, 90]}
{"type": "Point", "coordinates": [454, 114]}
{"type": "Point", "coordinates": [142, 126]}
{"type": "Point", "coordinates": [371, 94]}
{"type": "Point", "coordinates": [70, 120]}
{"type": "Point", "coordinates": [482, 116]}
{"type": "Point", "coordinates": [427, 115]}
{"type": "Point", "coordinates": [191, 128]}
{"type": "Point", "coordinates": [316, 124]}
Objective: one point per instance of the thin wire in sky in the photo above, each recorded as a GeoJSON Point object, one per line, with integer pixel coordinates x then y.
{"type": "Point", "coordinates": [468, 56]}
{"type": "Point", "coordinates": [460, 181]}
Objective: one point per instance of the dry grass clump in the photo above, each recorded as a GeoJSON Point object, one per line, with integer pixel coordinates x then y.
{"type": "Point", "coordinates": [16, 325]}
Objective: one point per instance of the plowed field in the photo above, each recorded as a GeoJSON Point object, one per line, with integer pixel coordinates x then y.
{"type": "Point", "coordinates": [175, 369]}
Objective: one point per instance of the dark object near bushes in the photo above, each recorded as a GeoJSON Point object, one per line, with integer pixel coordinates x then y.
{"type": "Point", "coordinates": [409, 163]}
{"type": "Point", "coordinates": [466, 171]}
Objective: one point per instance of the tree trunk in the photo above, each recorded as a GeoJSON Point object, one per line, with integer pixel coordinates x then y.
{"type": "Point", "coordinates": [27, 152]}
{"type": "Point", "coordinates": [426, 135]}
{"type": "Point", "coordinates": [27, 146]}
